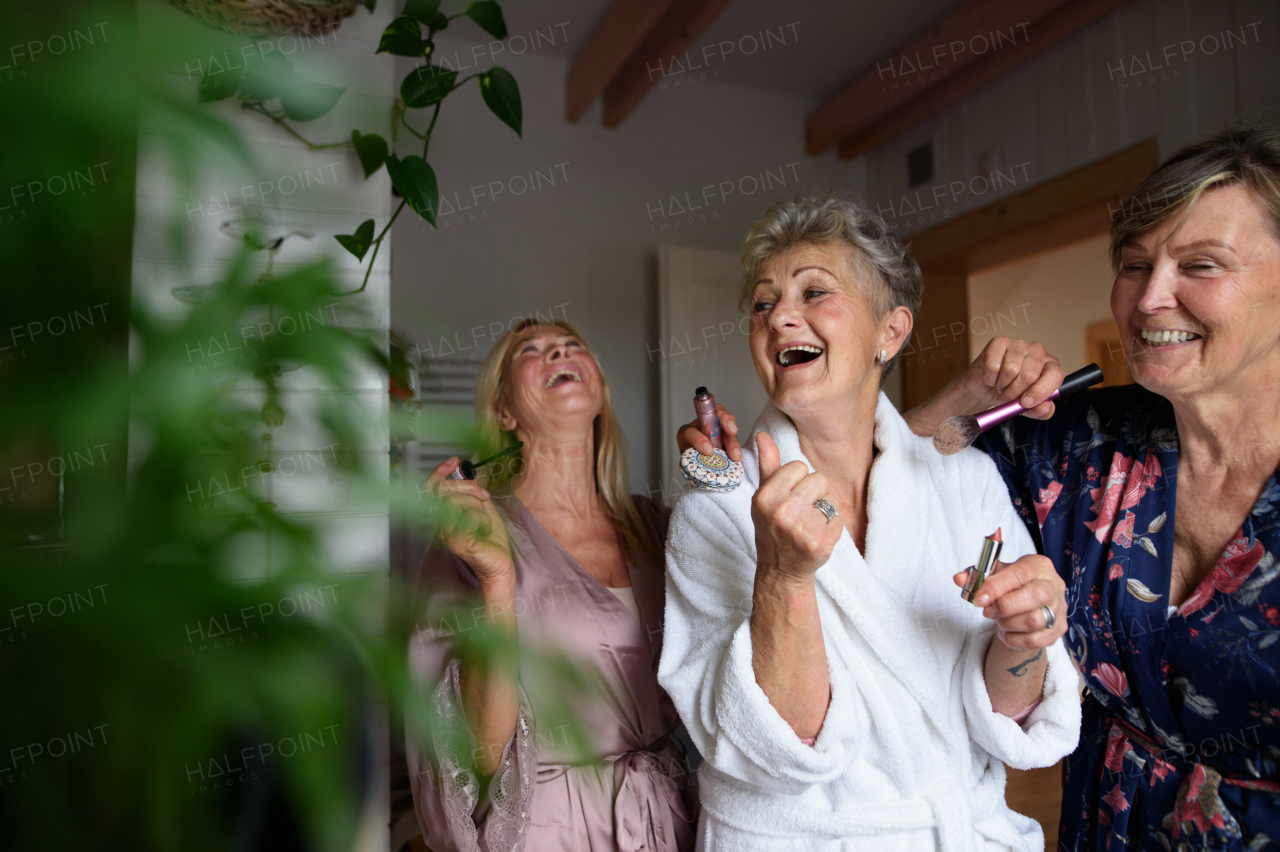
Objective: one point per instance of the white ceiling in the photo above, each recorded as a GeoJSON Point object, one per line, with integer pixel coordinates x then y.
{"type": "Point", "coordinates": [831, 43]}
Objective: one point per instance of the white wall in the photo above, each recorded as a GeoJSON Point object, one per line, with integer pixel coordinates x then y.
{"type": "Point", "coordinates": [1049, 298]}
{"type": "Point", "coordinates": [1085, 98]}
{"type": "Point", "coordinates": [585, 247]}
{"type": "Point", "coordinates": [286, 183]}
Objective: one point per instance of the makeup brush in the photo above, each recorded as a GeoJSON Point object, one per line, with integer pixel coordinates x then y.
{"type": "Point", "coordinates": [961, 431]}
{"type": "Point", "coordinates": [467, 470]}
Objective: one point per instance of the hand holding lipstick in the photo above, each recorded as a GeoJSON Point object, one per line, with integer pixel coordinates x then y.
{"type": "Point", "coordinates": [1014, 596]}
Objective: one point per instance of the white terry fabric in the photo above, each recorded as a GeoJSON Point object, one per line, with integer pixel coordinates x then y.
{"type": "Point", "coordinates": [909, 755]}
{"type": "Point", "coordinates": [627, 597]}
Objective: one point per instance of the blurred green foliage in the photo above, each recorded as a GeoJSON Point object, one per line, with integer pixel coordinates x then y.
{"type": "Point", "coordinates": [181, 667]}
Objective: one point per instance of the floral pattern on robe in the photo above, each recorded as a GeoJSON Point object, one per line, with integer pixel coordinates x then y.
{"type": "Point", "coordinates": [1180, 746]}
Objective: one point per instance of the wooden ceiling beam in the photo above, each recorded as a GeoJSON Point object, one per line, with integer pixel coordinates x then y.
{"type": "Point", "coordinates": [1072, 206]}
{"type": "Point", "coordinates": [674, 33]}
{"type": "Point", "coordinates": [622, 30]}
{"type": "Point", "coordinates": [1044, 33]}
{"type": "Point", "coordinates": [976, 29]}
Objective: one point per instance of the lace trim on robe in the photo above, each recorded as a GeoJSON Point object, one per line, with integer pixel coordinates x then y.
{"type": "Point", "coordinates": [503, 827]}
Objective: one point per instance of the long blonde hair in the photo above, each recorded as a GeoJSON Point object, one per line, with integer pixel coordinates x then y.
{"type": "Point", "coordinates": [492, 387]}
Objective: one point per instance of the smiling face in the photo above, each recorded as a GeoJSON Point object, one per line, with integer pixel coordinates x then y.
{"type": "Point", "coordinates": [553, 384]}
{"type": "Point", "coordinates": [814, 338]}
{"type": "Point", "coordinates": [1198, 303]}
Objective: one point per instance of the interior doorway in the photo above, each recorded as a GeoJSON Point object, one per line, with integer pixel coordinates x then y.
{"type": "Point", "coordinates": [1060, 298]}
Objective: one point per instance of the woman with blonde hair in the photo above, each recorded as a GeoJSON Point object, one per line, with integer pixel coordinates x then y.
{"type": "Point", "coordinates": [1159, 504]}
{"type": "Point", "coordinates": [562, 558]}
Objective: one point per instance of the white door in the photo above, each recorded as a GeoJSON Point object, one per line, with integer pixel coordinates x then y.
{"type": "Point", "coordinates": [703, 342]}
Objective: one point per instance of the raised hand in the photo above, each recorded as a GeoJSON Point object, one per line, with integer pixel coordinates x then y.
{"type": "Point", "coordinates": [793, 537]}
{"type": "Point", "coordinates": [691, 435]}
{"type": "Point", "coordinates": [1005, 370]}
{"type": "Point", "coordinates": [1009, 369]}
{"type": "Point", "coordinates": [468, 523]}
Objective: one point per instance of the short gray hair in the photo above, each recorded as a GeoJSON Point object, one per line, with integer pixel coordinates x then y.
{"type": "Point", "coordinates": [832, 217]}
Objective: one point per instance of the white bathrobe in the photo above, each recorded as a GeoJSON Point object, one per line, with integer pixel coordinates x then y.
{"type": "Point", "coordinates": [909, 755]}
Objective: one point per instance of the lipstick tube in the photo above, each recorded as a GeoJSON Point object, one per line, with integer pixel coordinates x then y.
{"type": "Point", "coordinates": [991, 546]}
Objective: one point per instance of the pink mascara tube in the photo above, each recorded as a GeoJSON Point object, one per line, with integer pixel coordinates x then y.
{"type": "Point", "coordinates": [714, 472]}
{"type": "Point", "coordinates": [705, 405]}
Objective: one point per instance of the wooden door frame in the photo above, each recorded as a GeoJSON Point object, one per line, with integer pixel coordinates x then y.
{"type": "Point", "coordinates": [1066, 209]}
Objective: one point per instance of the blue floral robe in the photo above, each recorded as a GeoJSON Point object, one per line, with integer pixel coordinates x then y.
{"type": "Point", "coordinates": [1180, 746]}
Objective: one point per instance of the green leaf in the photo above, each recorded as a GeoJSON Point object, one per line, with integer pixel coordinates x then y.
{"type": "Point", "coordinates": [500, 92]}
{"type": "Point", "coordinates": [422, 10]}
{"type": "Point", "coordinates": [416, 181]}
{"type": "Point", "coordinates": [403, 37]}
{"type": "Point", "coordinates": [269, 80]}
{"type": "Point", "coordinates": [306, 100]}
{"type": "Point", "coordinates": [359, 242]}
{"type": "Point", "coordinates": [216, 87]}
{"type": "Point", "coordinates": [425, 85]}
{"type": "Point", "coordinates": [372, 150]}
{"type": "Point", "coordinates": [488, 15]}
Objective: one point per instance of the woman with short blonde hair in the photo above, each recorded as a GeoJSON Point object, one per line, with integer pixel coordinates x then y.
{"type": "Point", "coordinates": [1159, 504]}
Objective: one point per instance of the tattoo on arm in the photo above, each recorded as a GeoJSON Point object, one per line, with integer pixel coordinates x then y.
{"type": "Point", "coordinates": [1021, 668]}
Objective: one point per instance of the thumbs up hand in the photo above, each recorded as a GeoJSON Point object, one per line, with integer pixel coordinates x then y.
{"type": "Point", "coordinates": [793, 537]}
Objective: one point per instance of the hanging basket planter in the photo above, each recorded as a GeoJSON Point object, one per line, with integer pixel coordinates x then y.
{"type": "Point", "coordinates": [269, 17]}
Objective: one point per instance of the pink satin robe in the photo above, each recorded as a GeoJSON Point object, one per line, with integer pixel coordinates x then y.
{"type": "Point", "coordinates": [632, 791]}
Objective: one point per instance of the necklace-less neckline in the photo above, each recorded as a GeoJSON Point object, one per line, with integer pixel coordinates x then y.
{"type": "Point", "coordinates": [572, 560]}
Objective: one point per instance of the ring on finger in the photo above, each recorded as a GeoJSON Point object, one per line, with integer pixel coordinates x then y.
{"type": "Point", "coordinates": [1049, 618]}
{"type": "Point", "coordinates": [823, 505]}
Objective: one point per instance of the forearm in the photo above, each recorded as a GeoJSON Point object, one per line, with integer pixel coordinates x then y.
{"type": "Point", "coordinates": [1015, 679]}
{"type": "Point", "coordinates": [489, 676]}
{"type": "Point", "coordinates": [789, 655]}
{"type": "Point", "coordinates": [925, 418]}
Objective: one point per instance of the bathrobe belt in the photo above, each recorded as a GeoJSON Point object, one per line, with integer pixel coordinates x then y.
{"type": "Point", "coordinates": [943, 808]}
{"type": "Point", "coordinates": [649, 811]}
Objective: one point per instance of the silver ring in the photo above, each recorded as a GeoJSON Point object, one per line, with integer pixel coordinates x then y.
{"type": "Point", "coordinates": [1049, 618]}
{"type": "Point", "coordinates": [824, 506]}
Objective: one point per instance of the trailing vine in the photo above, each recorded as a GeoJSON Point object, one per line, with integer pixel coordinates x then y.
{"type": "Point", "coordinates": [276, 92]}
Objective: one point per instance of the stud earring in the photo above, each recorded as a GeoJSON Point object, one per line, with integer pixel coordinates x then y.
{"type": "Point", "coordinates": [884, 356]}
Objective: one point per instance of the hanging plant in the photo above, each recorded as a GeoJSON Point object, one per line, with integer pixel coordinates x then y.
{"type": "Point", "coordinates": [280, 94]}
{"type": "Point", "coordinates": [271, 17]}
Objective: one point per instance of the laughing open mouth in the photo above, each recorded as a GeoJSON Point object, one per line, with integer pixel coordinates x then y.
{"type": "Point", "coordinates": [562, 375]}
{"type": "Point", "coordinates": [795, 355]}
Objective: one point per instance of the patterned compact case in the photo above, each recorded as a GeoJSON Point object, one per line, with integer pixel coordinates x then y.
{"type": "Point", "coordinates": [716, 472]}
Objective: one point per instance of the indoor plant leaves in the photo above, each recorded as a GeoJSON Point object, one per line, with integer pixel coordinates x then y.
{"type": "Point", "coordinates": [359, 242]}
{"type": "Point", "coordinates": [500, 92]}
{"type": "Point", "coordinates": [425, 85]}
{"type": "Point", "coordinates": [416, 181]}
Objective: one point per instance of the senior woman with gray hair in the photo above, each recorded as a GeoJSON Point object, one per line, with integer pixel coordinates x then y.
{"type": "Point", "coordinates": [843, 694]}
